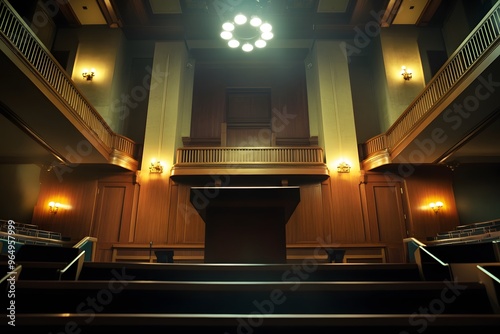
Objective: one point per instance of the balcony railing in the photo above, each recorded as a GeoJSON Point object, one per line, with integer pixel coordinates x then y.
{"type": "Point", "coordinates": [249, 155]}
{"type": "Point", "coordinates": [479, 41]}
{"type": "Point", "coordinates": [20, 37]}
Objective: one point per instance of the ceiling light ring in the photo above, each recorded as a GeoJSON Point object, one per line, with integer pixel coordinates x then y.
{"type": "Point", "coordinates": [246, 33]}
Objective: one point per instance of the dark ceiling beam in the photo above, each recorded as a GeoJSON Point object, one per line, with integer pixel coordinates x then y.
{"type": "Point", "coordinates": [109, 13]}
{"type": "Point", "coordinates": [390, 12]}
{"type": "Point", "coordinates": [429, 12]}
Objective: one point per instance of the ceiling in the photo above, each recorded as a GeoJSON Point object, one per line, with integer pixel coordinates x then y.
{"type": "Point", "coordinates": [296, 23]}
{"type": "Point", "coordinates": [202, 19]}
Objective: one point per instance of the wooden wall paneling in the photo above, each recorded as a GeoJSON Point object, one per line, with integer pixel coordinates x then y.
{"type": "Point", "coordinates": [426, 184]}
{"type": "Point", "coordinates": [209, 104]}
{"type": "Point", "coordinates": [306, 225]}
{"type": "Point", "coordinates": [249, 137]}
{"type": "Point", "coordinates": [173, 213]}
{"type": "Point", "coordinates": [346, 209]}
{"type": "Point", "coordinates": [385, 204]}
{"type": "Point", "coordinates": [188, 226]}
{"type": "Point", "coordinates": [248, 106]}
{"type": "Point", "coordinates": [290, 115]}
{"type": "Point", "coordinates": [75, 192]}
{"type": "Point", "coordinates": [288, 111]}
{"type": "Point", "coordinates": [113, 215]}
{"type": "Point", "coordinates": [153, 209]}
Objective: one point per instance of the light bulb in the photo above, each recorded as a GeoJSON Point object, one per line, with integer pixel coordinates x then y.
{"type": "Point", "coordinates": [240, 19]}
{"type": "Point", "coordinates": [247, 47]}
{"type": "Point", "coordinates": [233, 43]}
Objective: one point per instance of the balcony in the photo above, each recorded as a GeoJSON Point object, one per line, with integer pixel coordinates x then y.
{"type": "Point", "coordinates": [269, 164]}
{"type": "Point", "coordinates": [455, 118]}
{"type": "Point", "coordinates": [44, 117]}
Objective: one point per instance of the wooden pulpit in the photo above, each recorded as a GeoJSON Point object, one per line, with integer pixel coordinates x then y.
{"type": "Point", "coordinates": [245, 224]}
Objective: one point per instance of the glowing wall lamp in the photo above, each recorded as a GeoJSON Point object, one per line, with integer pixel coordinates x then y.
{"type": "Point", "coordinates": [436, 206]}
{"type": "Point", "coordinates": [156, 167]}
{"type": "Point", "coordinates": [406, 73]}
{"type": "Point", "coordinates": [54, 207]}
{"type": "Point", "coordinates": [343, 167]}
{"type": "Point", "coordinates": [88, 75]}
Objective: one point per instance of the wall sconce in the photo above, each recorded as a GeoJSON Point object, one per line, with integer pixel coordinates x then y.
{"type": "Point", "coordinates": [54, 207]}
{"type": "Point", "coordinates": [156, 167]}
{"type": "Point", "coordinates": [436, 206]}
{"type": "Point", "coordinates": [406, 73]}
{"type": "Point", "coordinates": [343, 167]}
{"type": "Point", "coordinates": [88, 75]}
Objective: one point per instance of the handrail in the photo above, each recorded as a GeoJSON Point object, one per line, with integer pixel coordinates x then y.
{"type": "Point", "coordinates": [433, 256]}
{"type": "Point", "coordinates": [77, 258]}
{"type": "Point", "coordinates": [420, 263]}
{"type": "Point", "coordinates": [480, 40]}
{"type": "Point", "coordinates": [418, 242]}
{"type": "Point", "coordinates": [493, 277]}
{"type": "Point", "coordinates": [17, 270]}
{"type": "Point", "coordinates": [249, 155]}
{"type": "Point", "coordinates": [31, 50]}
{"type": "Point", "coordinates": [80, 244]}
{"type": "Point", "coordinates": [34, 238]}
{"type": "Point", "coordinates": [83, 241]}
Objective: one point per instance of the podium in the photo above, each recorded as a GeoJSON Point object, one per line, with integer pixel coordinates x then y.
{"type": "Point", "coordinates": [245, 224]}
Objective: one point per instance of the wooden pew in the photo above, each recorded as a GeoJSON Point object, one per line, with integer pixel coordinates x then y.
{"type": "Point", "coordinates": [50, 262]}
{"type": "Point", "coordinates": [455, 261]}
{"type": "Point", "coordinates": [250, 323]}
{"type": "Point", "coordinates": [489, 275]}
{"type": "Point", "coordinates": [124, 295]}
{"type": "Point", "coordinates": [307, 271]}
{"type": "Point", "coordinates": [467, 252]}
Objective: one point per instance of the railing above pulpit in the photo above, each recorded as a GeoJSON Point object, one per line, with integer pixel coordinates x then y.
{"type": "Point", "coordinates": [282, 161]}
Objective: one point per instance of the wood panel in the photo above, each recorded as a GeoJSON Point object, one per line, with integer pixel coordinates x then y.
{"type": "Point", "coordinates": [307, 224]}
{"type": "Point", "coordinates": [426, 184]}
{"type": "Point", "coordinates": [248, 106]}
{"type": "Point", "coordinates": [248, 137]}
{"type": "Point", "coordinates": [346, 221]}
{"type": "Point", "coordinates": [209, 104]}
{"type": "Point", "coordinates": [187, 227]}
{"type": "Point", "coordinates": [288, 106]}
{"type": "Point", "coordinates": [76, 194]}
{"type": "Point", "coordinates": [387, 222]}
{"type": "Point", "coordinates": [113, 216]}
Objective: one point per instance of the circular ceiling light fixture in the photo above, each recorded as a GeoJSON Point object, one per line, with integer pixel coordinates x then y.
{"type": "Point", "coordinates": [247, 32]}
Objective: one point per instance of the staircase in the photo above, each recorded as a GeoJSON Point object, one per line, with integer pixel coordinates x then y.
{"type": "Point", "coordinates": [252, 298]}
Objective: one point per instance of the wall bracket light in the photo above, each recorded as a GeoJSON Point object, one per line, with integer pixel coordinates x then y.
{"type": "Point", "coordinates": [54, 207]}
{"type": "Point", "coordinates": [436, 206]}
{"type": "Point", "coordinates": [406, 73]}
{"type": "Point", "coordinates": [156, 167]}
{"type": "Point", "coordinates": [88, 75]}
{"type": "Point", "coordinates": [343, 167]}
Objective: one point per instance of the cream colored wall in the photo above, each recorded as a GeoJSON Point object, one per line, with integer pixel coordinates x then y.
{"type": "Point", "coordinates": [400, 48]}
{"type": "Point", "coordinates": [169, 104]}
{"type": "Point", "coordinates": [169, 110]}
{"type": "Point", "coordinates": [333, 104]}
{"type": "Point", "coordinates": [311, 70]}
{"type": "Point", "coordinates": [100, 48]}
{"type": "Point", "coordinates": [330, 98]}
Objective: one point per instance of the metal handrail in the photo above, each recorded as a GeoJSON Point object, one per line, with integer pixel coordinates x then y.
{"type": "Point", "coordinates": [63, 270]}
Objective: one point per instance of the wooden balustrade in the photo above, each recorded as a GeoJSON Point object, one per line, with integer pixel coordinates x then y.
{"type": "Point", "coordinates": [18, 36]}
{"type": "Point", "coordinates": [467, 55]}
